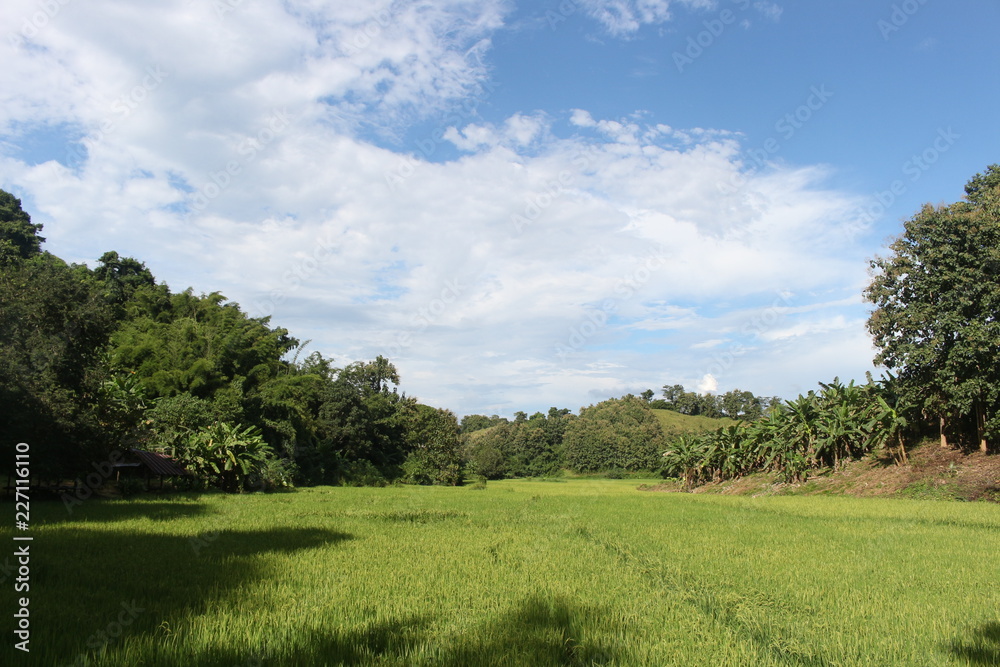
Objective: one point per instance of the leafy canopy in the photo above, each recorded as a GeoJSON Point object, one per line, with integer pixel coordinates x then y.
{"type": "Point", "coordinates": [936, 298]}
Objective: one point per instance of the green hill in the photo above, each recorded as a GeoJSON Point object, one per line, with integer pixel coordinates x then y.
{"type": "Point", "coordinates": [675, 424]}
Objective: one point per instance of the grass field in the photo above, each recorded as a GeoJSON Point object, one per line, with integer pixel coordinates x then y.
{"type": "Point", "coordinates": [574, 572]}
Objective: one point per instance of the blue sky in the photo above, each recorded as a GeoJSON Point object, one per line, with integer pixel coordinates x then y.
{"type": "Point", "coordinates": [523, 205]}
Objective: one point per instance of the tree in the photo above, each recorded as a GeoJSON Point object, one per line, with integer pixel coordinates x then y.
{"type": "Point", "coordinates": [372, 377]}
{"type": "Point", "coordinates": [434, 456]}
{"type": "Point", "coordinates": [18, 236]}
{"type": "Point", "coordinates": [53, 326]}
{"type": "Point", "coordinates": [672, 395]}
{"type": "Point", "coordinates": [122, 276]}
{"type": "Point", "coordinates": [473, 423]}
{"type": "Point", "coordinates": [936, 300]}
{"type": "Point", "coordinates": [738, 404]}
{"type": "Point", "coordinates": [483, 450]}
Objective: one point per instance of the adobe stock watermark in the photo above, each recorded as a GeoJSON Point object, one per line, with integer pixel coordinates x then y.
{"type": "Point", "coordinates": [427, 147]}
{"type": "Point", "coordinates": [92, 483]}
{"type": "Point", "coordinates": [302, 270]}
{"type": "Point", "coordinates": [32, 25]}
{"type": "Point", "coordinates": [914, 168]}
{"type": "Point", "coordinates": [223, 7]}
{"type": "Point", "coordinates": [121, 109]}
{"type": "Point", "coordinates": [366, 34]}
{"type": "Point", "coordinates": [597, 319]}
{"type": "Point", "coordinates": [786, 127]}
{"type": "Point", "coordinates": [205, 539]}
{"type": "Point", "coordinates": [561, 13]}
{"type": "Point", "coordinates": [99, 641]}
{"type": "Point", "coordinates": [427, 315]}
{"type": "Point", "coordinates": [756, 326]}
{"type": "Point", "coordinates": [248, 150]}
{"type": "Point", "coordinates": [536, 203]}
{"type": "Point", "coordinates": [701, 42]}
{"type": "Point", "coordinates": [899, 16]}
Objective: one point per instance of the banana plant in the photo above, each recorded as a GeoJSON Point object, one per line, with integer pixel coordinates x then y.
{"type": "Point", "coordinates": [226, 453]}
{"type": "Point", "coordinates": [685, 459]}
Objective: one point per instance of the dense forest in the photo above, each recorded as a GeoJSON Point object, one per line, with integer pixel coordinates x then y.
{"type": "Point", "coordinates": [96, 360]}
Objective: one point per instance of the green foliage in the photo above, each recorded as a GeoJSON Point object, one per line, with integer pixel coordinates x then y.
{"type": "Point", "coordinates": [936, 298]}
{"type": "Point", "coordinates": [360, 472]}
{"type": "Point", "coordinates": [229, 455]}
{"type": "Point", "coordinates": [675, 424]}
{"type": "Point", "coordinates": [529, 447]}
{"type": "Point", "coordinates": [173, 419]}
{"type": "Point", "coordinates": [121, 407]}
{"type": "Point", "coordinates": [483, 451]}
{"type": "Point", "coordinates": [95, 360]}
{"type": "Point", "coordinates": [473, 423]}
{"type": "Point", "coordinates": [19, 238]}
{"type": "Point", "coordinates": [374, 377]}
{"type": "Point", "coordinates": [53, 326]}
{"type": "Point", "coordinates": [734, 404]}
{"type": "Point", "coordinates": [121, 277]}
{"type": "Point", "coordinates": [129, 487]}
{"type": "Point", "coordinates": [200, 345]}
{"type": "Point", "coordinates": [817, 430]}
{"type": "Point", "coordinates": [434, 456]}
{"type": "Point", "coordinates": [273, 474]}
{"type": "Point", "coordinates": [620, 433]}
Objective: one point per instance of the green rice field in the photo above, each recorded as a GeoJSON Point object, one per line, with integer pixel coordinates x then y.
{"type": "Point", "coordinates": [578, 572]}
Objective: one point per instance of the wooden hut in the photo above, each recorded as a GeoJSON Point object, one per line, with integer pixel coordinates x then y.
{"type": "Point", "coordinates": [140, 463]}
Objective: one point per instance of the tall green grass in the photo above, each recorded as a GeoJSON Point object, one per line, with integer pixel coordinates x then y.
{"type": "Point", "coordinates": [520, 573]}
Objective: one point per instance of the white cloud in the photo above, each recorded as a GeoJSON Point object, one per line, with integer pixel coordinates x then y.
{"type": "Point", "coordinates": [582, 118]}
{"type": "Point", "coordinates": [708, 384]}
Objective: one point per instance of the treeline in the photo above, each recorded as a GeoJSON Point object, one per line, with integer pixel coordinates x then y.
{"type": "Point", "coordinates": [734, 404]}
{"type": "Point", "coordinates": [817, 430]}
{"type": "Point", "coordinates": [94, 360]}
{"type": "Point", "coordinates": [614, 436]}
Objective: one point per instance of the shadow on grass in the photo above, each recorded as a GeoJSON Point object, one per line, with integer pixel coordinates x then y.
{"type": "Point", "coordinates": [539, 632]}
{"type": "Point", "coordinates": [91, 587]}
{"type": "Point", "coordinates": [983, 648]}
{"type": "Point", "coordinates": [100, 510]}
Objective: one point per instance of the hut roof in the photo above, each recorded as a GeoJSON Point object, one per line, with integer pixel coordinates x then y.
{"type": "Point", "coordinates": [159, 464]}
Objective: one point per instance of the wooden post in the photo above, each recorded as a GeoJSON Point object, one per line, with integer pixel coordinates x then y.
{"type": "Point", "coordinates": [944, 438]}
{"type": "Point", "coordinates": [981, 427]}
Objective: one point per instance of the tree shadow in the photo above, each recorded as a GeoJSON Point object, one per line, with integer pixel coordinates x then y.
{"type": "Point", "coordinates": [538, 632]}
{"type": "Point", "coordinates": [101, 510]}
{"type": "Point", "coordinates": [91, 587]}
{"type": "Point", "coordinates": [983, 648]}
